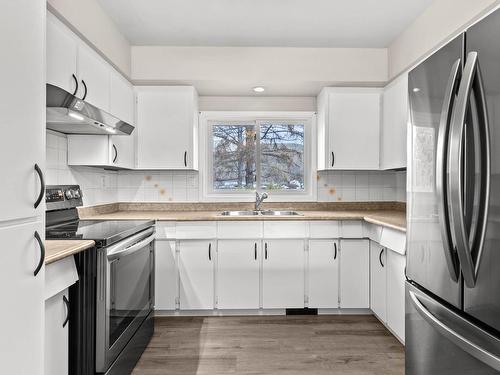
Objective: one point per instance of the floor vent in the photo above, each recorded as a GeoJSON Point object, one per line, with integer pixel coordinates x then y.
{"type": "Point", "coordinates": [305, 311]}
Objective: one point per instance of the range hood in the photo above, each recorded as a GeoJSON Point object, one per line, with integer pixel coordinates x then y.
{"type": "Point", "coordinates": [71, 115]}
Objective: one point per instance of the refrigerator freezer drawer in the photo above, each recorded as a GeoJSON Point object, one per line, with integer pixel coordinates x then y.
{"type": "Point", "coordinates": [439, 341]}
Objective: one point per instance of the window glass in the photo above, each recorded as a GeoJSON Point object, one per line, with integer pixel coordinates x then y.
{"type": "Point", "coordinates": [233, 166]}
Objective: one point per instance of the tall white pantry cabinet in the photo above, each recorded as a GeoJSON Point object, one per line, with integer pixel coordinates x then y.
{"type": "Point", "coordinates": [22, 223]}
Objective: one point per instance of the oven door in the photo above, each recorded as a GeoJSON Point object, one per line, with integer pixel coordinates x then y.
{"type": "Point", "coordinates": [125, 294]}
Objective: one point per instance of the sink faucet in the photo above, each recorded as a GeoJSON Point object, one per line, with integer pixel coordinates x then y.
{"type": "Point", "coordinates": [259, 199]}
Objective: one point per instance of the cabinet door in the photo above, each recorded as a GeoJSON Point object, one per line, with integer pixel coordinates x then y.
{"type": "Point", "coordinates": [378, 266]}
{"type": "Point", "coordinates": [353, 125]}
{"type": "Point", "coordinates": [394, 123]}
{"type": "Point", "coordinates": [122, 105]}
{"type": "Point", "coordinates": [166, 121]}
{"type": "Point", "coordinates": [396, 264]}
{"type": "Point", "coordinates": [323, 273]}
{"type": "Point", "coordinates": [90, 150]}
{"type": "Point", "coordinates": [354, 274]}
{"type": "Point", "coordinates": [122, 149]}
{"type": "Point", "coordinates": [166, 287]}
{"type": "Point", "coordinates": [22, 324]}
{"type": "Point", "coordinates": [238, 274]}
{"type": "Point", "coordinates": [62, 47]}
{"type": "Point", "coordinates": [283, 274]}
{"type": "Point", "coordinates": [94, 77]}
{"type": "Point", "coordinates": [196, 274]}
{"type": "Point", "coordinates": [22, 141]}
{"type": "Point", "coordinates": [56, 335]}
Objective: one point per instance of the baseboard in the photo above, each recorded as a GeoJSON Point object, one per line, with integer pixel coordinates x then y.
{"type": "Point", "coordinates": [256, 312]}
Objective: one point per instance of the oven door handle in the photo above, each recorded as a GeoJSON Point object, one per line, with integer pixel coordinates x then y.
{"type": "Point", "coordinates": [122, 250]}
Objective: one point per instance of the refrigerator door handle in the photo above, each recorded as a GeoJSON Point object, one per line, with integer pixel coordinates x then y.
{"type": "Point", "coordinates": [441, 165]}
{"type": "Point", "coordinates": [468, 337]}
{"type": "Point", "coordinates": [469, 248]}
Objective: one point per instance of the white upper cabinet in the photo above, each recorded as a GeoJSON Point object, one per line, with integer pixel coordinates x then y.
{"type": "Point", "coordinates": [167, 120]}
{"type": "Point", "coordinates": [394, 123]}
{"type": "Point", "coordinates": [22, 143]}
{"type": "Point", "coordinates": [94, 77]}
{"type": "Point", "coordinates": [349, 128]}
{"type": "Point", "coordinates": [62, 52]}
{"type": "Point", "coordinates": [101, 151]}
{"type": "Point", "coordinates": [121, 98]}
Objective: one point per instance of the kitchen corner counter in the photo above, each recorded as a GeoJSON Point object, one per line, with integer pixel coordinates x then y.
{"type": "Point", "coordinates": [59, 249]}
{"type": "Point", "coordinates": [392, 217]}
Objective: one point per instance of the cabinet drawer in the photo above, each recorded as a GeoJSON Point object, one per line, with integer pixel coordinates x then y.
{"type": "Point", "coordinates": [239, 229]}
{"type": "Point", "coordinates": [352, 229]}
{"type": "Point", "coordinates": [294, 229]}
{"type": "Point", "coordinates": [324, 229]}
{"type": "Point", "coordinates": [193, 230]}
{"type": "Point", "coordinates": [60, 275]}
{"type": "Point", "coordinates": [394, 240]}
{"type": "Point", "coordinates": [165, 230]}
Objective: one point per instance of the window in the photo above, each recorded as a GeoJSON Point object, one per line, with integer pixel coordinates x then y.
{"type": "Point", "coordinates": [264, 155]}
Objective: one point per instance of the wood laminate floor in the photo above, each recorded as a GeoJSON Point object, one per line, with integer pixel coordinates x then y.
{"type": "Point", "coordinates": [292, 345]}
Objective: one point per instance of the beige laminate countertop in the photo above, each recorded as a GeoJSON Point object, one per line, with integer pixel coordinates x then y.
{"type": "Point", "coordinates": [394, 219]}
{"type": "Point", "coordinates": [58, 249]}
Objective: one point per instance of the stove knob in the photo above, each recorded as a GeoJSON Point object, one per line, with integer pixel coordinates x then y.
{"type": "Point", "coordinates": [76, 194]}
{"type": "Point", "coordinates": [69, 194]}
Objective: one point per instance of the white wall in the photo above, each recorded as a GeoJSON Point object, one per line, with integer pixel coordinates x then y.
{"type": "Point", "coordinates": [235, 70]}
{"type": "Point", "coordinates": [439, 23]}
{"type": "Point", "coordinates": [257, 103]}
{"type": "Point", "coordinates": [89, 20]}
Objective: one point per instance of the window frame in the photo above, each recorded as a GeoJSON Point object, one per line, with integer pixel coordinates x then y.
{"type": "Point", "coordinates": [208, 119]}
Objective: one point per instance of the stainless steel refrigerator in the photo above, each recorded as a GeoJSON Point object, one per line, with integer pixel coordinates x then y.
{"type": "Point", "coordinates": [453, 255]}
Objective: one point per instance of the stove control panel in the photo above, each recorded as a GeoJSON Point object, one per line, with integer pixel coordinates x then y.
{"type": "Point", "coordinates": [63, 196]}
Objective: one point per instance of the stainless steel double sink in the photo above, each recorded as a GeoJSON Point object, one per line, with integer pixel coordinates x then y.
{"type": "Point", "coordinates": [263, 213]}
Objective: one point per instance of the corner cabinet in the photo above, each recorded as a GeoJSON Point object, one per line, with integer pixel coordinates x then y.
{"type": "Point", "coordinates": [394, 123]}
{"type": "Point", "coordinates": [167, 120]}
{"type": "Point", "coordinates": [349, 128]}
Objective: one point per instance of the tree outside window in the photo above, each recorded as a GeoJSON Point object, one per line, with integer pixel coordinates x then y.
{"type": "Point", "coordinates": [263, 155]}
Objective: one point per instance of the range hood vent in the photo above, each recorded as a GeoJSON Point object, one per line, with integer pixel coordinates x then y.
{"type": "Point", "coordinates": [71, 115]}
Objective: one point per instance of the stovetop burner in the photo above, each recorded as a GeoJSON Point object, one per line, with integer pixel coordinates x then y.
{"type": "Point", "coordinates": [63, 222]}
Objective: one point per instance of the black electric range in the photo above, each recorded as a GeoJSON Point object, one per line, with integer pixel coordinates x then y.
{"type": "Point", "coordinates": [109, 330]}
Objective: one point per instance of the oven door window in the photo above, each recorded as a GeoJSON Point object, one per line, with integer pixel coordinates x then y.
{"type": "Point", "coordinates": [129, 291]}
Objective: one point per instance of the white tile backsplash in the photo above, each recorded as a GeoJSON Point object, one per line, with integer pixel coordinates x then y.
{"type": "Point", "coordinates": [103, 186]}
{"type": "Point", "coordinates": [361, 186]}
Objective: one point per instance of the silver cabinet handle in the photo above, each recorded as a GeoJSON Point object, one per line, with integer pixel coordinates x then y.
{"type": "Point", "coordinates": [468, 332]}
{"type": "Point", "coordinates": [441, 165]}
{"type": "Point", "coordinates": [472, 83]}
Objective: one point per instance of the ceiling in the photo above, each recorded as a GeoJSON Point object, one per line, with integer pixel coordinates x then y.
{"type": "Point", "coordinates": [263, 23]}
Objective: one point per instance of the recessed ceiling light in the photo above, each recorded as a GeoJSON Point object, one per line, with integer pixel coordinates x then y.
{"type": "Point", "coordinates": [416, 89]}
{"type": "Point", "coordinates": [259, 89]}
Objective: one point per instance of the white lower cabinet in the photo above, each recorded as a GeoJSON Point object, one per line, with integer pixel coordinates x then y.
{"type": "Point", "coordinates": [354, 273]}
{"type": "Point", "coordinates": [396, 264]}
{"type": "Point", "coordinates": [196, 274]}
{"type": "Point", "coordinates": [56, 334]}
{"type": "Point", "coordinates": [378, 283]}
{"type": "Point", "coordinates": [283, 274]}
{"type": "Point", "coordinates": [238, 274]}
{"type": "Point", "coordinates": [323, 274]}
{"type": "Point", "coordinates": [21, 338]}
{"type": "Point", "coordinates": [166, 277]}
